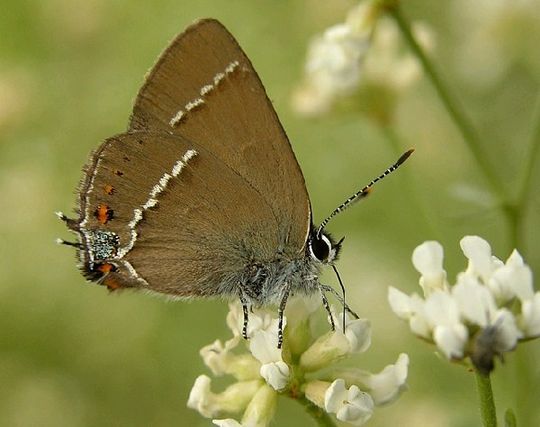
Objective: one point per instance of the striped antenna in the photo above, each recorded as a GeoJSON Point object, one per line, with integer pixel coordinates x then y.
{"type": "Point", "coordinates": [364, 191]}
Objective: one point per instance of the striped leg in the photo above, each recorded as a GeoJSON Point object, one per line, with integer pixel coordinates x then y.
{"type": "Point", "coordinates": [327, 307]}
{"type": "Point", "coordinates": [282, 305]}
{"type": "Point", "coordinates": [246, 315]}
{"type": "Point", "coordinates": [330, 289]}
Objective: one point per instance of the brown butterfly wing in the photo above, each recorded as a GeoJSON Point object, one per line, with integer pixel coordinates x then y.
{"type": "Point", "coordinates": [204, 88]}
{"type": "Point", "coordinates": [186, 222]}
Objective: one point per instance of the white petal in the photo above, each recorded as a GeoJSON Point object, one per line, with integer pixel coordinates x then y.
{"type": "Point", "coordinates": [478, 251]}
{"type": "Point", "coordinates": [428, 261]}
{"type": "Point", "coordinates": [358, 332]}
{"type": "Point", "coordinates": [498, 284]}
{"type": "Point", "coordinates": [228, 422]}
{"type": "Point", "coordinates": [428, 257]}
{"type": "Point", "coordinates": [258, 319]}
{"type": "Point", "coordinates": [200, 396]}
{"type": "Point", "coordinates": [530, 317]}
{"type": "Point", "coordinates": [353, 405]}
{"type": "Point", "coordinates": [216, 355]}
{"type": "Point", "coordinates": [451, 340]}
{"type": "Point", "coordinates": [276, 374]}
{"type": "Point", "coordinates": [358, 407]}
{"type": "Point", "coordinates": [512, 280]}
{"type": "Point", "coordinates": [400, 303]}
{"type": "Point", "coordinates": [475, 301]}
{"type": "Point", "coordinates": [235, 318]}
{"type": "Point", "coordinates": [234, 398]}
{"type": "Point", "coordinates": [335, 395]}
{"type": "Point", "coordinates": [508, 333]}
{"type": "Point", "coordinates": [386, 386]}
{"type": "Point", "coordinates": [222, 360]}
{"type": "Point", "coordinates": [411, 308]}
{"type": "Point", "coordinates": [441, 309]}
{"type": "Point", "coordinates": [515, 259]}
{"type": "Point", "coordinates": [263, 344]}
{"type": "Point", "coordinates": [420, 326]}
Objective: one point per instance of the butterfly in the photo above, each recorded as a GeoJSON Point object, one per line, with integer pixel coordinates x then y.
{"type": "Point", "coordinates": [202, 195]}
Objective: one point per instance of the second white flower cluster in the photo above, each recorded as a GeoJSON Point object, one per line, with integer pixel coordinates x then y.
{"type": "Point", "coordinates": [490, 308]}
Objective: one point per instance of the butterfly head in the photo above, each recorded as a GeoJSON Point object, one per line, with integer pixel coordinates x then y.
{"type": "Point", "coordinates": [323, 248]}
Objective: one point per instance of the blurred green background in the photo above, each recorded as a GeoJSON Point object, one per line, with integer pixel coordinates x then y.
{"type": "Point", "coordinates": [73, 355]}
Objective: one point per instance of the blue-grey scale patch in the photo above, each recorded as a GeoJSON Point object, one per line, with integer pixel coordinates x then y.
{"type": "Point", "coordinates": [103, 244]}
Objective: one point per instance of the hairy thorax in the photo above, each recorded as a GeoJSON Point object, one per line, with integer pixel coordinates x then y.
{"type": "Point", "coordinates": [264, 283]}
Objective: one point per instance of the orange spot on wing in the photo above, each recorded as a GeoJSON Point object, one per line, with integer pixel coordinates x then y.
{"type": "Point", "coordinates": [109, 189]}
{"type": "Point", "coordinates": [112, 284]}
{"type": "Point", "coordinates": [109, 281]}
{"type": "Point", "coordinates": [106, 268]}
{"type": "Point", "coordinates": [103, 213]}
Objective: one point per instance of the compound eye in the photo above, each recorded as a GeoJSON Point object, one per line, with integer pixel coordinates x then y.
{"type": "Point", "coordinates": [320, 248]}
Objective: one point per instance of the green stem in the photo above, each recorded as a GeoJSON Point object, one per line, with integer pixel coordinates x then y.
{"type": "Point", "coordinates": [523, 360]}
{"type": "Point", "coordinates": [462, 122]}
{"type": "Point", "coordinates": [524, 404]}
{"type": "Point", "coordinates": [319, 415]}
{"type": "Point", "coordinates": [530, 159]}
{"type": "Point", "coordinates": [487, 404]}
{"type": "Point", "coordinates": [524, 197]}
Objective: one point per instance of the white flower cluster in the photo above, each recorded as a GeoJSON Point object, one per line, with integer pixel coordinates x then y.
{"type": "Point", "coordinates": [490, 308]}
{"type": "Point", "coordinates": [365, 49]}
{"type": "Point", "coordinates": [264, 371]}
